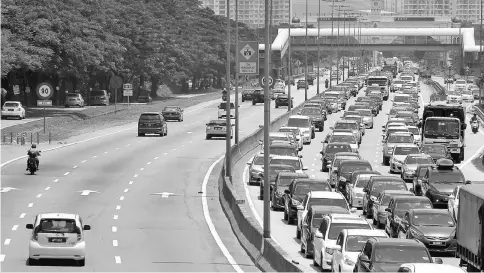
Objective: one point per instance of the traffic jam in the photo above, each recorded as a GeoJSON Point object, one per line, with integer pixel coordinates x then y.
{"type": "Point", "coordinates": [359, 219]}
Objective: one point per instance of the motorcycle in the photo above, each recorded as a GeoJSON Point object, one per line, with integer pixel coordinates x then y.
{"type": "Point", "coordinates": [32, 165]}
{"type": "Point", "coordinates": [475, 127]}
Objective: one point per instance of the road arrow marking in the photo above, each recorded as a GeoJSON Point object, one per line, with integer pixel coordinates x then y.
{"type": "Point", "coordinates": [87, 192]}
{"type": "Point", "coordinates": [7, 189]}
{"type": "Point", "coordinates": [163, 194]}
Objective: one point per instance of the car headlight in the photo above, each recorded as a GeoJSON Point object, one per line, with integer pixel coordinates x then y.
{"type": "Point", "coordinates": [452, 235]}
{"type": "Point", "coordinates": [349, 261]}
{"type": "Point", "coordinates": [295, 202]}
{"type": "Point", "coordinates": [416, 233]}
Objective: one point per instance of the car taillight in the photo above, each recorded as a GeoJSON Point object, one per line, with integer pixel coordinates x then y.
{"type": "Point", "coordinates": [79, 237]}
{"type": "Point", "coordinates": [35, 237]}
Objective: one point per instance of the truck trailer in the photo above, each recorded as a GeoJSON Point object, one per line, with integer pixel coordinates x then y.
{"type": "Point", "coordinates": [470, 227]}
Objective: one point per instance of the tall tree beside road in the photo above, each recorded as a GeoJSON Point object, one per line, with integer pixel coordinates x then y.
{"type": "Point", "coordinates": [81, 44]}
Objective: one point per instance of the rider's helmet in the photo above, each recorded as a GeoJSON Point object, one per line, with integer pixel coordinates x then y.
{"type": "Point", "coordinates": [475, 115]}
{"type": "Point", "coordinates": [34, 146]}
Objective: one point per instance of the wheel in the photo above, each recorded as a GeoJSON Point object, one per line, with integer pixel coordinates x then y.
{"type": "Point", "coordinates": [375, 222]}
{"type": "Point", "coordinates": [253, 102]}
{"type": "Point", "coordinates": [386, 161]}
{"type": "Point", "coordinates": [243, 100]}
{"type": "Point", "coordinates": [285, 215]}
{"type": "Point", "coordinates": [324, 167]}
{"type": "Point", "coordinates": [208, 137]}
{"type": "Point", "coordinates": [32, 261]}
{"type": "Point", "coordinates": [166, 131]}
{"type": "Point", "coordinates": [81, 262]}
{"type": "Point", "coordinates": [66, 106]}
{"type": "Point", "coordinates": [32, 171]}
{"type": "Point", "coordinates": [298, 234]}
{"type": "Point", "coordinates": [277, 106]}
{"type": "Point", "coordinates": [141, 134]}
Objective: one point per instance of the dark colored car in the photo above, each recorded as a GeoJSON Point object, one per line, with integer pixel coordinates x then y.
{"type": "Point", "coordinates": [346, 168]}
{"type": "Point", "coordinates": [283, 180]}
{"type": "Point", "coordinates": [283, 100]}
{"type": "Point", "coordinates": [152, 123]}
{"type": "Point", "coordinates": [439, 181]}
{"type": "Point", "coordinates": [99, 97]}
{"type": "Point", "coordinates": [436, 151]}
{"type": "Point", "coordinates": [380, 215]}
{"type": "Point", "coordinates": [144, 97]}
{"type": "Point", "coordinates": [294, 195]}
{"type": "Point", "coordinates": [375, 186]}
{"type": "Point", "coordinates": [329, 150]}
{"type": "Point", "coordinates": [310, 79]}
{"type": "Point", "coordinates": [283, 149]}
{"type": "Point", "coordinates": [301, 84]}
{"type": "Point", "coordinates": [435, 228]}
{"type": "Point", "coordinates": [387, 254]}
{"type": "Point", "coordinates": [173, 113]}
{"type": "Point", "coordinates": [258, 96]}
{"type": "Point", "coordinates": [334, 165]}
{"type": "Point", "coordinates": [398, 206]}
{"type": "Point", "coordinates": [274, 170]}
{"type": "Point", "coordinates": [247, 94]}
{"type": "Point", "coordinates": [316, 117]}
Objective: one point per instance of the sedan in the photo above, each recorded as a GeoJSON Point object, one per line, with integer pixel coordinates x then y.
{"type": "Point", "coordinates": [283, 180]}
{"type": "Point", "coordinates": [400, 152]}
{"type": "Point", "coordinates": [13, 109]}
{"type": "Point", "coordinates": [173, 113]}
{"type": "Point", "coordinates": [410, 164]}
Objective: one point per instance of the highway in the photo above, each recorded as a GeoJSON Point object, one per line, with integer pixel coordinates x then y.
{"type": "Point", "coordinates": [370, 149]}
{"type": "Point", "coordinates": [142, 197]}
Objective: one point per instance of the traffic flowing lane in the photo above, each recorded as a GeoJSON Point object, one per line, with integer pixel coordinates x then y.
{"type": "Point", "coordinates": [141, 195]}
{"type": "Point", "coordinates": [370, 149]}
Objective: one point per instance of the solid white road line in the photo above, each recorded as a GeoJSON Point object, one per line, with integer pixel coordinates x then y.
{"type": "Point", "coordinates": [15, 227]}
{"type": "Point", "coordinates": [211, 226]}
{"type": "Point", "coordinates": [117, 259]}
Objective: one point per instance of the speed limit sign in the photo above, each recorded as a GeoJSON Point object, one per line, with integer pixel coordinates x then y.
{"type": "Point", "coordinates": [44, 91]}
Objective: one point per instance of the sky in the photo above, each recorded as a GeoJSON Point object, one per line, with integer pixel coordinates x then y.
{"type": "Point", "coordinates": [299, 6]}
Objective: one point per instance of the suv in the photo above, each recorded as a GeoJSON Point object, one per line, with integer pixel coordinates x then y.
{"type": "Point", "coordinates": [329, 150]}
{"type": "Point", "coordinates": [258, 96]}
{"type": "Point", "coordinates": [74, 99]}
{"type": "Point", "coordinates": [152, 123]}
{"type": "Point", "coordinates": [283, 100]}
{"type": "Point", "coordinates": [218, 128]}
{"type": "Point", "coordinates": [99, 97]}
{"type": "Point", "coordinates": [316, 116]}
{"type": "Point", "coordinates": [222, 110]}
{"type": "Point", "coordinates": [394, 139]}
{"type": "Point", "coordinates": [247, 94]}
{"type": "Point", "coordinates": [346, 168]}
{"type": "Point", "coordinates": [283, 180]}
{"type": "Point", "coordinates": [304, 124]}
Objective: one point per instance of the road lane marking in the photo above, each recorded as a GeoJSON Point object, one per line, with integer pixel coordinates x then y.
{"type": "Point", "coordinates": [87, 192]}
{"type": "Point", "coordinates": [136, 175]}
{"type": "Point", "coordinates": [15, 227]}
{"type": "Point", "coordinates": [174, 149]}
{"type": "Point", "coordinates": [165, 153]}
{"type": "Point", "coordinates": [115, 217]}
{"type": "Point", "coordinates": [130, 182]}
{"type": "Point", "coordinates": [56, 180]}
{"type": "Point", "coordinates": [48, 188]}
{"type": "Point", "coordinates": [141, 169]}
{"type": "Point", "coordinates": [117, 148]}
{"type": "Point", "coordinates": [94, 156]}
{"type": "Point", "coordinates": [115, 242]}
{"type": "Point", "coordinates": [22, 215]}
{"type": "Point", "coordinates": [313, 176]}
{"type": "Point", "coordinates": [190, 141]}
{"type": "Point", "coordinates": [148, 163]}
{"type": "Point", "coordinates": [31, 205]}
{"type": "Point", "coordinates": [118, 207]}
{"type": "Point", "coordinates": [117, 259]}
{"type": "Point", "coordinates": [156, 158]}
{"type": "Point", "coordinates": [121, 198]}
{"type": "Point", "coordinates": [312, 170]}
{"type": "Point", "coordinates": [105, 152]}
{"type": "Point", "coordinates": [74, 167]}
{"type": "Point", "coordinates": [84, 161]}
{"type": "Point", "coordinates": [211, 226]}
{"type": "Point", "coordinates": [126, 190]}
{"type": "Point", "coordinates": [128, 145]}
{"type": "Point", "coordinates": [2, 257]}
{"type": "Point", "coordinates": [7, 242]}
{"type": "Point", "coordinates": [39, 195]}
{"type": "Point", "coordinates": [67, 173]}
{"type": "Point", "coordinates": [114, 229]}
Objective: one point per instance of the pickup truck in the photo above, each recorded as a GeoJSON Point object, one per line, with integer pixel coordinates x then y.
{"type": "Point", "coordinates": [470, 227]}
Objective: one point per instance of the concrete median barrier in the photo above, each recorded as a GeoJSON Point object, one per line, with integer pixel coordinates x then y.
{"type": "Point", "coordinates": [266, 254]}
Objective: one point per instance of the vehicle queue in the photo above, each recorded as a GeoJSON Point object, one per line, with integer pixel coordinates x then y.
{"type": "Point", "coordinates": [408, 223]}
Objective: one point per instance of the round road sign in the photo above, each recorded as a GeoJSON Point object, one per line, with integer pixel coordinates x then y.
{"type": "Point", "coordinates": [44, 91]}
{"type": "Point", "coordinates": [263, 81]}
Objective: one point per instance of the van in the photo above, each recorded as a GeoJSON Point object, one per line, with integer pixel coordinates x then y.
{"type": "Point", "coordinates": [99, 97]}
{"type": "Point", "coordinates": [152, 123]}
{"type": "Point", "coordinates": [222, 110]}
{"type": "Point", "coordinates": [305, 125]}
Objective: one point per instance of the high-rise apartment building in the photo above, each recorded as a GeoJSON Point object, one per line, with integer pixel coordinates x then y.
{"type": "Point", "coordinates": [252, 12]}
{"type": "Point", "coordinates": [468, 10]}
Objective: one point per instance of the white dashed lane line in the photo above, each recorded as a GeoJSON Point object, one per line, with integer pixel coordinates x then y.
{"type": "Point", "coordinates": [117, 148]}
{"type": "Point", "coordinates": [117, 259]}
{"type": "Point", "coordinates": [126, 190]}
{"type": "Point", "coordinates": [31, 205]}
{"type": "Point", "coordinates": [94, 156]}
{"type": "Point", "coordinates": [118, 207]}
{"type": "Point", "coordinates": [7, 242]}
{"type": "Point", "coordinates": [148, 163]}
{"type": "Point", "coordinates": [105, 152]}
{"type": "Point", "coordinates": [48, 188]}
{"type": "Point", "coordinates": [130, 182]}
{"type": "Point", "coordinates": [115, 217]}
{"type": "Point", "coordinates": [156, 158]}
{"type": "Point", "coordinates": [115, 242]}
{"type": "Point", "coordinates": [74, 167]}
{"type": "Point", "coordinates": [39, 195]}
{"type": "Point", "coordinates": [56, 180]}
{"type": "Point", "coordinates": [22, 215]}
{"type": "Point", "coordinates": [141, 169]}
{"type": "Point", "coordinates": [136, 175]}
{"type": "Point", "coordinates": [67, 173]}
{"type": "Point", "coordinates": [114, 229]}
{"type": "Point", "coordinates": [2, 258]}
{"type": "Point", "coordinates": [84, 161]}
{"type": "Point", "coordinates": [14, 227]}
{"type": "Point", "coordinates": [165, 153]}
{"type": "Point", "coordinates": [121, 198]}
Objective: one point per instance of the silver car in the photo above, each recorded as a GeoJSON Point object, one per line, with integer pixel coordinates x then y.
{"type": "Point", "coordinates": [74, 99]}
{"type": "Point", "coordinates": [367, 117]}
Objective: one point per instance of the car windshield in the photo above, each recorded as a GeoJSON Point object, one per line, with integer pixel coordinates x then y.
{"type": "Point", "coordinates": [291, 162]}
{"type": "Point", "coordinates": [97, 93]}
{"type": "Point", "coordinates": [57, 226]}
{"type": "Point", "coordinates": [414, 131]}
{"type": "Point", "coordinates": [217, 123]}
{"type": "Point", "coordinates": [401, 254]}
{"type": "Point", "coordinates": [259, 160]}
{"type": "Point", "coordinates": [394, 138]}
{"type": "Point", "coordinates": [150, 117]}
{"type": "Point", "coordinates": [406, 150]}
{"type": "Point", "coordinates": [355, 243]}
{"type": "Point", "coordinates": [283, 151]}
{"type": "Point", "coordinates": [11, 104]}
{"type": "Point", "coordinates": [310, 111]}
{"type": "Point", "coordinates": [433, 219]}
{"type": "Point", "coordinates": [358, 119]}
{"type": "Point", "coordinates": [303, 188]}
{"type": "Point", "coordinates": [337, 148]}
{"type": "Point", "coordinates": [433, 149]}
{"type": "Point", "coordinates": [343, 138]}
{"type": "Point", "coordinates": [446, 177]}
{"type": "Point", "coordinates": [363, 180]}
{"type": "Point", "coordinates": [404, 205]}
{"type": "Point", "coordinates": [72, 95]}
{"type": "Point", "coordinates": [398, 82]}
{"type": "Point", "coordinates": [355, 167]}
{"type": "Point", "coordinates": [274, 170]}
{"type": "Point", "coordinates": [380, 186]}
{"type": "Point", "coordinates": [223, 105]}
{"type": "Point", "coordinates": [293, 131]}
{"type": "Point", "coordinates": [344, 125]}
{"type": "Point", "coordinates": [298, 122]}
{"type": "Point", "coordinates": [328, 202]}
{"type": "Point", "coordinates": [419, 160]}
{"type": "Point", "coordinates": [365, 113]}
{"type": "Point", "coordinates": [285, 180]}
{"type": "Point", "coordinates": [401, 99]}
{"type": "Point", "coordinates": [172, 108]}
{"type": "Point", "coordinates": [336, 228]}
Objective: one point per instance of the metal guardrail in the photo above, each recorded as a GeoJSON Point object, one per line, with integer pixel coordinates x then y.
{"type": "Point", "coordinates": [24, 138]}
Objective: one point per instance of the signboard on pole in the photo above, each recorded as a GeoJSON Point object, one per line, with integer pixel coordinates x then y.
{"type": "Point", "coordinates": [16, 90]}
{"type": "Point", "coordinates": [127, 90]}
{"type": "Point", "coordinates": [263, 81]}
{"type": "Point", "coordinates": [249, 58]}
{"type": "Point", "coordinates": [44, 91]}
{"type": "Point", "coordinates": [44, 103]}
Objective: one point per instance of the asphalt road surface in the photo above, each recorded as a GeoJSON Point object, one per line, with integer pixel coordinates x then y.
{"type": "Point", "coordinates": [371, 150]}
{"type": "Point", "coordinates": [141, 196]}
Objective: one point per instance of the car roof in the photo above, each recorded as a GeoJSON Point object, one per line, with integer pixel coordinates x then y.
{"type": "Point", "coordinates": [387, 178]}
{"type": "Point", "coordinates": [281, 145]}
{"type": "Point", "coordinates": [326, 194]}
{"type": "Point", "coordinates": [397, 242]}
{"type": "Point", "coordinates": [58, 215]}
{"type": "Point", "coordinates": [406, 145]}
{"type": "Point", "coordinates": [345, 153]}
{"type": "Point", "coordinates": [285, 157]}
{"type": "Point", "coordinates": [342, 133]}
{"type": "Point", "coordinates": [345, 121]}
{"type": "Point", "coordinates": [289, 127]}
{"type": "Point", "coordinates": [366, 232]}
{"type": "Point", "coordinates": [419, 155]}
{"type": "Point", "coordinates": [433, 211]}
{"type": "Point", "coordinates": [282, 165]}
{"type": "Point", "coordinates": [353, 161]}
{"type": "Point", "coordinates": [150, 113]}
{"type": "Point", "coordinates": [295, 175]}
{"type": "Point", "coordinates": [339, 143]}
{"type": "Point", "coordinates": [347, 218]}
{"type": "Point", "coordinates": [312, 180]}
{"type": "Point", "coordinates": [410, 197]}
{"type": "Point", "coordinates": [397, 192]}
{"type": "Point", "coordinates": [298, 117]}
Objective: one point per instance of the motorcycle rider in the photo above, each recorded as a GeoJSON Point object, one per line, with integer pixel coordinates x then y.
{"type": "Point", "coordinates": [474, 118]}
{"type": "Point", "coordinates": [34, 153]}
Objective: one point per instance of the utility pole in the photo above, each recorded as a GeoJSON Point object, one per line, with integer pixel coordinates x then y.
{"type": "Point", "coordinates": [306, 57]}
{"type": "Point", "coordinates": [267, 121]}
{"type": "Point", "coordinates": [289, 63]}
{"type": "Point", "coordinates": [228, 141]}
{"type": "Point", "coordinates": [319, 42]}
{"type": "Point", "coordinates": [236, 72]}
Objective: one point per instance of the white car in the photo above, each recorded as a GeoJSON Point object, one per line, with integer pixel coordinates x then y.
{"type": "Point", "coordinates": [325, 242]}
{"type": "Point", "coordinates": [13, 109]}
{"type": "Point", "coordinates": [399, 154]}
{"type": "Point", "coordinates": [296, 132]}
{"type": "Point", "coordinates": [57, 236]}
{"type": "Point", "coordinates": [355, 192]}
{"type": "Point", "coordinates": [416, 133]}
{"type": "Point", "coordinates": [349, 138]}
{"type": "Point", "coordinates": [323, 198]}
{"type": "Point", "coordinates": [304, 124]}
{"type": "Point", "coordinates": [293, 161]}
{"type": "Point", "coordinates": [429, 267]}
{"type": "Point", "coordinates": [350, 242]}
{"type": "Point", "coordinates": [467, 96]}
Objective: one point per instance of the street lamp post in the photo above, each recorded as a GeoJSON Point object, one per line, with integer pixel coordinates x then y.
{"type": "Point", "coordinates": [236, 72]}
{"type": "Point", "coordinates": [319, 38]}
{"type": "Point", "coordinates": [228, 158]}
{"type": "Point", "coordinates": [294, 20]}
{"type": "Point", "coordinates": [267, 121]}
{"type": "Point", "coordinates": [481, 58]}
{"type": "Point", "coordinates": [306, 57]}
